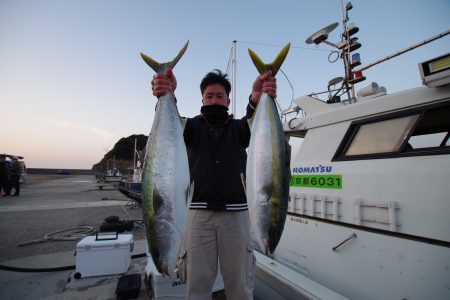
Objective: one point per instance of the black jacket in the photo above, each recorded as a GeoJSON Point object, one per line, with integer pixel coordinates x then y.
{"type": "Point", "coordinates": [217, 160]}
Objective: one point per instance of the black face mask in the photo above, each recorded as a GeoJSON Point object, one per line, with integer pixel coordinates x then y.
{"type": "Point", "coordinates": [215, 114]}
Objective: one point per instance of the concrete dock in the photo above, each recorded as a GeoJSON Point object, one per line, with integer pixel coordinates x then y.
{"type": "Point", "coordinates": [51, 203]}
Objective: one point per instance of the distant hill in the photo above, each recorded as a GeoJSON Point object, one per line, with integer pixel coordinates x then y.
{"type": "Point", "coordinates": [121, 156]}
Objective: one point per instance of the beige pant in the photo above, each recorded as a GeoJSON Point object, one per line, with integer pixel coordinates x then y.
{"type": "Point", "coordinates": [219, 236]}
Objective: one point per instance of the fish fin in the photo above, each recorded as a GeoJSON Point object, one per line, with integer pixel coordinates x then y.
{"type": "Point", "coordinates": [189, 194]}
{"type": "Point", "coordinates": [259, 64]}
{"type": "Point", "coordinates": [250, 121]}
{"type": "Point", "coordinates": [183, 122]}
{"type": "Point", "coordinates": [274, 66]}
{"type": "Point", "coordinates": [243, 182]}
{"type": "Point", "coordinates": [151, 62]}
{"type": "Point", "coordinates": [165, 270]}
{"type": "Point", "coordinates": [162, 67]}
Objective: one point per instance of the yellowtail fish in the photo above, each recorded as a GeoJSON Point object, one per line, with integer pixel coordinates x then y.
{"type": "Point", "coordinates": [268, 171]}
{"type": "Point", "coordinates": [165, 181]}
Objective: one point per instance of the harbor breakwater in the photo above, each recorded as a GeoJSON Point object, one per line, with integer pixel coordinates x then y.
{"type": "Point", "coordinates": [45, 171]}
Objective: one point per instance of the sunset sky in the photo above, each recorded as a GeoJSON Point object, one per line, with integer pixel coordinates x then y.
{"type": "Point", "coordinates": [72, 82]}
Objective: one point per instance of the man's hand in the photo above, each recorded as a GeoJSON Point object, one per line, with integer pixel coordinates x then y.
{"type": "Point", "coordinates": [164, 83]}
{"type": "Point", "coordinates": [264, 83]}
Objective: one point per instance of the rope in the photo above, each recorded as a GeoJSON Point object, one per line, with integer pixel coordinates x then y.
{"type": "Point", "coordinates": [71, 234]}
{"type": "Point", "coordinates": [55, 269]}
{"type": "Point", "coordinates": [278, 45]}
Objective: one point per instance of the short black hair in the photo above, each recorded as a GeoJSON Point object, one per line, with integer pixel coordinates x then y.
{"type": "Point", "coordinates": [213, 77]}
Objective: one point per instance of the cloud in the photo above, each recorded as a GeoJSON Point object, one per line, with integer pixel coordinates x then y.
{"type": "Point", "coordinates": [64, 124]}
{"type": "Point", "coordinates": [106, 135]}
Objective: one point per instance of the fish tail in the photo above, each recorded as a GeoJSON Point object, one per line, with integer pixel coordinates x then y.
{"type": "Point", "coordinates": [274, 66]}
{"type": "Point", "coordinates": [162, 67]}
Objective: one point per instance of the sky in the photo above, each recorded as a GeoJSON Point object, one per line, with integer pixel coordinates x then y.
{"type": "Point", "coordinates": [72, 82]}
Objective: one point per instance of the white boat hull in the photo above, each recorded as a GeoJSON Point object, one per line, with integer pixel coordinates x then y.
{"type": "Point", "coordinates": [369, 266]}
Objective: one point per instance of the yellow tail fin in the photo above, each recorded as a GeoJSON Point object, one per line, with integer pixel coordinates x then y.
{"type": "Point", "coordinates": [162, 67]}
{"type": "Point", "coordinates": [274, 66]}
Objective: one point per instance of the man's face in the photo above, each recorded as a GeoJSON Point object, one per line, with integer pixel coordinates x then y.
{"type": "Point", "coordinates": [215, 94]}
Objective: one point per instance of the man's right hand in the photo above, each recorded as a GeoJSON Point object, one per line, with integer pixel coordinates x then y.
{"type": "Point", "coordinates": [265, 83]}
{"type": "Point", "coordinates": [164, 83]}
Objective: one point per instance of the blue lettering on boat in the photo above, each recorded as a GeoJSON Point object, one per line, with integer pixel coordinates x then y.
{"type": "Point", "coordinates": [312, 169]}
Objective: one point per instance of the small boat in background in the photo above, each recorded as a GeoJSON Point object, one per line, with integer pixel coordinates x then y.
{"type": "Point", "coordinates": [113, 175]}
{"type": "Point", "coordinates": [132, 187]}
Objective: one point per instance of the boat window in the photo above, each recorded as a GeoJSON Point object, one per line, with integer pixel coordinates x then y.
{"type": "Point", "coordinates": [381, 137]}
{"type": "Point", "coordinates": [420, 132]}
{"type": "Point", "coordinates": [427, 140]}
{"type": "Point", "coordinates": [432, 130]}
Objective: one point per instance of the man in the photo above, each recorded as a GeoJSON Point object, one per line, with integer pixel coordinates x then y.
{"type": "Point", "coordinates": [218, 220]}
{"type": "Point", "coordinates": [3, 183]}
{"type": "Point", "coordinates": [15, 172]}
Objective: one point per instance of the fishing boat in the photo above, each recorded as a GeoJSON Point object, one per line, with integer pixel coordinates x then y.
{"type": "Point", "coordinates": [131, 187]}
{"type": "Point", "coordinates": [369, 193]}
{"type": "Point", "coordinates": [112, 175]}
{"type": "Point", "coordinates": [368, 201]}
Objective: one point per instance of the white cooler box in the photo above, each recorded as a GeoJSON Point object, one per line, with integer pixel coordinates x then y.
{"type": "Point", "coordinates": [103, 254]}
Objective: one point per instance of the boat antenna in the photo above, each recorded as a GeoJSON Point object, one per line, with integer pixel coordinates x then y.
{"type": "Point", "coordinates": [233, 76]}
{"type": "Point", "coordinates": [346, 46]}
{"type": "Point", "coordinates": [433, 38]}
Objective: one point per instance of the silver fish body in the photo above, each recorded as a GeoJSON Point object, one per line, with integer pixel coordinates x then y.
{"type": "Point", "coordinates": [165, 179]}
{"type": "Point", "coordinates": [165, 186]}
{"type": "Point", "coordinates": [268, 175]}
